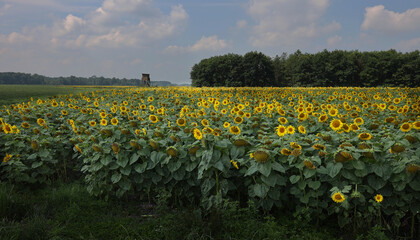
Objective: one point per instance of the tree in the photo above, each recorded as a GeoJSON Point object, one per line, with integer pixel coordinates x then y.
{"type": "Point", "coordinates": [258, 70]}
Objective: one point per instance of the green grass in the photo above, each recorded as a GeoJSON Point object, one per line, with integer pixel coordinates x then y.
{"type": "Point", "coordinates": [10, 94]}
{"type": "Point", "coordinates": [67, 211]}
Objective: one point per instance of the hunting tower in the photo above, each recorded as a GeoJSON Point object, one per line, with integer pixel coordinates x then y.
{"type": "Point", "coordinates": [145, 79]}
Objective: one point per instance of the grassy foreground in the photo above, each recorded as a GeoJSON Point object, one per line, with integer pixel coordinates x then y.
{"type": "Point", "coordinates": [66, 211]}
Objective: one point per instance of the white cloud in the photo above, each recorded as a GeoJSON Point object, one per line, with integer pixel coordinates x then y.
{"type": "Point", "coordinates": [409, 45]}
{"type": "Point", "coordinates": [332, 41]}
{"type": "Point", "coordinates": [288, 21]}
{"type": "Point", "coordinates": [115, 23]}
{"type": "Point", "coordinates": [212, 43]}
{"type": "Point", "coordinates": [379, 19]}
{"type": "Point", "coordinates": [15, 38]}
{"type": "Point", "coordinates": [4, 8]}
{"type": "Point", "coordinates": [241, 24]}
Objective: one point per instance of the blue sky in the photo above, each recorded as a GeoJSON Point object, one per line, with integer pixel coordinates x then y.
{"type": "Point", "coordinates": [124, 38]}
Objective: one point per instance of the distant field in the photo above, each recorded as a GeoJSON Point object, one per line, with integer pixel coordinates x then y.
{"type": "Point", "coordinates": [10, 94]}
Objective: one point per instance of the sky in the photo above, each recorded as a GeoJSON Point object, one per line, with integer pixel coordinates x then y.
{"type": "Point", "coordinates": [125, 38]}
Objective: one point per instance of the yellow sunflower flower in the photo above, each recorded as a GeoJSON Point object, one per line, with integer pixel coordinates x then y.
{"type": "Point", "coordinates": [338, 197]}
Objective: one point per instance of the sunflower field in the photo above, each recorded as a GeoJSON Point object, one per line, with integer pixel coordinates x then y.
{"type": "Point", "coordinates": [348, 152]}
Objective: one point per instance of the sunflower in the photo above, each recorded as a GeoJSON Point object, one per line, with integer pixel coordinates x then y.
{"type": "Point", "coordinates": [323, 118]}
{"type": "Point", "coordinates": [25, 125]}
{"type": "Point", "coordinates": [405, 127]}
{"type": "Point", "coordinates": [153, 118]}
{"type": "Point", "coordinates": [234, 163]}
{"type": "Point", "coordinates": [41, 122]}
{"type": "Point", "coordinates": [379, 198]}
{"type": "Point", "coordinates": [290, 129]}
{"type": "Point", "coordinates": [333, 112]}
{"type": "Point", "coordinates": [365, 136]}
{"type": "Point", "coordinates": [103, 114]}
{"type": "Point", "coordinates": [336, 124]}
{"type": "Point", "coordinates": [205, 122]}
{"type": "Point", "coordinates": [78, 148]}
{"type": "Point", "coordinates": [238, 120]}
{"type": "Point", "coordinates": [104, 122]}
{"type": "Point", "coordinates": [7, 128]}
{"type": "Point", "coordinates": [226, 125]}
{"type": "Point", "coordinates": [282, 120]}
{"type": "Point", "coordinates": [197, 134]}
{"type": "Point", "coordinates": [286, 152]}
{"type": "Point", "coordinates": [318, 147]}
{"type": "Point", "coordinates": [416, 125]}
{"type": "Point", "coordinates": [64, 112]}
{"type": "Point", "coordinates": [181, 122]}
{"type": "Point", "coordinates": [338, 197]}
{"type": "Point", "coordinates": [115, 147]}
{"type": "Point", "coordinates": [309, 164]}
{"type": "Point", "coordinates": [235, 130]}
{"type": "Point", "coordinates": [302, 116]}
{"type": "Point", "coordinates": [114, 121]}
{"type": "Point", "coordinates": [281, 130]}
{"type": "Point", "coordinates": [7, 157]}
{"type": "Point", "coordinates": [302, 129]}
{"type": "Point", "coordinates": [358, 121]}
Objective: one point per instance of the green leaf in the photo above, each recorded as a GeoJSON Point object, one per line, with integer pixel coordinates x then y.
{"type": "Point", "coordinates": [414, 184]}
{"type": "Point", "coordinates": [116, 177]}
{"type": "Point", "coordinates": [278, 167]}
{"type": "Point", "coordinates": [308, 172]}
{"type": "Point", "coordinates": [122, 161]}
{"type": "Point", "coordinates": [375, 182]}
{"type": "Point", "coordinates": [334, 169]}
{"type": "Point", "coordinates": [134, 158]}
{"type": "Point", "coordinates": [252, 169]}
{"type": "Point", "coordinates": [265, 168]}
{"type": "Point", "coordinates": [314, 184]}
{"type": "Point", "coordinates": [106, 160]}
{"type": "Point", "coordinates": [294, 179]}
{"type": "Point", "coordinates": [270, 180]}
{"type": "Point", "coordinates": [33, 156]}
{"type": "Point", "coordinates": [261, 190]}
{"type": "Point", "coordinates": [207, 185]}
{"type": "Point", "coordinates": [36, 164]}
{"type": "Point", "coordinates": [126, 171]}
{"type": "Point", "coordinates": [359, 165]}
{"type": "Point", "coordinates": [140, 168]}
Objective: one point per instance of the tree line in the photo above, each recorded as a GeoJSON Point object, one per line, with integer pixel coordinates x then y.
{"type": "Point", "coordinates": [323, 69]}
{"type": "Point", "coordinates": [36, 79]}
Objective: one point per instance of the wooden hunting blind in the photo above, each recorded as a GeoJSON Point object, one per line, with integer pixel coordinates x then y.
{"type": "Point", "coordinates": [145, 78]}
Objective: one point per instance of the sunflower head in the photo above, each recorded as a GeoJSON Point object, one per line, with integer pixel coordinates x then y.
{"type": "Point", "coordinates": [286, 152]}
{"type": "Point", "coordinates": [97, 148]}
{"type": "Point", "coordinates": [116, 147]}
{"type": "Point", "coordinates": [34, 145]}
{"type": "Point", "coordinates": [412, 168]}
{"type": "Point", "coordinates": [261, 156]}
{"type": "Point", "coordinates": [197, 134]}
{"type": "Point", "coordinates": [181, 122]}
{"type": "Point", "coordinates": [405, 127]}
{"type": "Point", "coordinates": [172, 151]}
{"type": "Point", "coordinates": [241, 142]}
{"type": "Point", "coordinates": [134, 144]}
{"type": "Point", "coordinates": [342, 156]}
{"type": "Point", "coordinates": [309, 164]}
{"type": "Point", "coordinates": [154, 144]}
{"type": "Point", "coordinates": [338, 197]}
{"type": "Point", "coordinates": [193, 150]}
{"type": "Point", "coordinates": [397, 148]}
{"type": "Point", "coordinates": [365, 136]}
{"type": "Point", "coordinates": [235, 130]}
{"type": "Point", "coordinates": [336, 124]}
{"type": "Point", "coordinates": [379, 198]}
{"type": "Point", "coordinates": [281, 130]}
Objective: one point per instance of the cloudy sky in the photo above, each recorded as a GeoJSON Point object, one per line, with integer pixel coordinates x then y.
{"type": "Point", "coordinates": [124, 38]}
